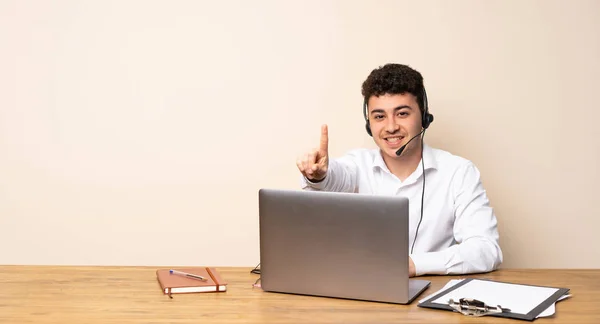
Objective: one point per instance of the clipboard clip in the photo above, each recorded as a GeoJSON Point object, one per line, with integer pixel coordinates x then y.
{"type": "Point", "coordinates": [474, 307]}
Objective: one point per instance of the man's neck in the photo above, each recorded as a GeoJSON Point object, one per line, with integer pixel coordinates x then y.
{"type": "Point", "coordinates": [404, 165]}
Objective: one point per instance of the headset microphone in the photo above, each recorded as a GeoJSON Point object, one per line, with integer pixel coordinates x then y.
{"type": "Point", "coordinates": [401, 149]}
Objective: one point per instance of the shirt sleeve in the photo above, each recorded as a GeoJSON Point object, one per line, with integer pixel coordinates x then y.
{"type": "Point", "coordinates": [342, 176]}
{"type": "Point", "coordinates": [475, 232]}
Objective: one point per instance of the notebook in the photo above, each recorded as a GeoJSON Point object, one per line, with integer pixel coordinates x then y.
{"type": "Point", "coordinates": [172, 283]}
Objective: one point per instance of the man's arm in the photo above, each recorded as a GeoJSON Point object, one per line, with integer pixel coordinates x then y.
{"type": "Point", "coordinates": [475, 231]}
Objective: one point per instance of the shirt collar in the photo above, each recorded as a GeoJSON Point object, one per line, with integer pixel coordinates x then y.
{"type": "Point", "coordinates": [428, 157]}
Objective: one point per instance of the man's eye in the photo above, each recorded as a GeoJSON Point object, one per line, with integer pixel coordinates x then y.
{"type": "Point", "coordinates": [403, 114]}
{"type": "Point", "coordinates": [378, 116]}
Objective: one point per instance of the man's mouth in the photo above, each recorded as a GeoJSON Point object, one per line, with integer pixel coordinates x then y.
{"type": "Point", "coordinates": [393, 140]}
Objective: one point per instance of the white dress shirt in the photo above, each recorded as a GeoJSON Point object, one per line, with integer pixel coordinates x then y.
{"type": "Point", "coordinates": [458, 233]}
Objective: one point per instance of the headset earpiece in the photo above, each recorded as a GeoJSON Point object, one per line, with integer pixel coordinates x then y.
{"type": "Point", "coordinates": [427, 117]}
{"type": "Point", "coordinates": [367, 126]}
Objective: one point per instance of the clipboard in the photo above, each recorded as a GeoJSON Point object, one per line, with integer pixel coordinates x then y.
{"type": "Point", "coordinates": [525, 302]}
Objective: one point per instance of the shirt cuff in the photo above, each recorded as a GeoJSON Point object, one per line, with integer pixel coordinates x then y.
{"type": "Point", "coordinates": [430, 263]}
{"type": "Point", "coordinates": [306, 183]}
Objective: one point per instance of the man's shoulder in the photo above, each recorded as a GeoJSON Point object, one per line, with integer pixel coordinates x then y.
{"type": "Point", "coordinates": [458, 170]}
{"type": "Point", "coordinates": [448, 160]}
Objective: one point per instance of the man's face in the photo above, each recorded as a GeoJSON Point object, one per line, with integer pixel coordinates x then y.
{"type": "Point", "coordinates": [394, 119]}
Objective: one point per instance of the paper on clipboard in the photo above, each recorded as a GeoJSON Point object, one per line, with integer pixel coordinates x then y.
{"type": "Point", "coordinates": [543, 293]}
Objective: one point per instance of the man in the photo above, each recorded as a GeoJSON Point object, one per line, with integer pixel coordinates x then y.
{"type": "Point", "coordinates": [453, 229]}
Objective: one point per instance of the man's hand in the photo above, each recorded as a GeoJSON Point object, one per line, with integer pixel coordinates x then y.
{"type": "Point", "coordinates": [313, 165]}
{"type": "Point", "coordinates": [411, 268]}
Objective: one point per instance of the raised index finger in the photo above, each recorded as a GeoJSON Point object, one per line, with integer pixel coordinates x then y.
{"type": "Point", "coordinates": [324, 139]}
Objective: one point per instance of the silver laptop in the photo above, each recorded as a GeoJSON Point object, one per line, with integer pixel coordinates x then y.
{"type": "Point", "coordinates": [341, 245]}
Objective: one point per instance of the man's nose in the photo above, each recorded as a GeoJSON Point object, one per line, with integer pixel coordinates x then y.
{"type": "Point", "coordinates": [391, 126]}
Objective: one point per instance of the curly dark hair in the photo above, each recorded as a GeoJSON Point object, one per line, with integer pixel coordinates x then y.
{"type": "Point", "coordinates": [394, 78]}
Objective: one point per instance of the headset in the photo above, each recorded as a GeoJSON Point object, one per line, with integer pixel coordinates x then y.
{"type": "Point", "coordinates": [426, 120]}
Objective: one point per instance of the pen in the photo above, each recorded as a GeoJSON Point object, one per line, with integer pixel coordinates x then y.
{"type": "Point", "coordinates": [189, 275]}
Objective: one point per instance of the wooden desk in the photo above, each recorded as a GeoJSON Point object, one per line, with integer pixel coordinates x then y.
{"type": "Point", "coordinates": [51, 294]}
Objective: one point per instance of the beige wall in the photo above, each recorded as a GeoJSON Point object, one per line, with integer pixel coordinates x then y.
{"type": "Point", "coordinates": [138, 132]}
